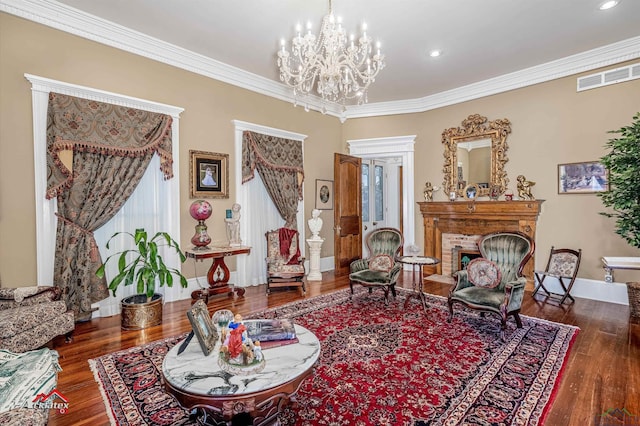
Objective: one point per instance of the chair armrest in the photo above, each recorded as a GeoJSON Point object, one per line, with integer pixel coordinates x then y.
{"type": "Point", "coordinates": [394, 272]}
{"type": "Point", "coordinates": [514, 293]}
{"type": "Point", "coordinates": [359, 265]}
{"type": "Point", "coordinates": [462, 281]}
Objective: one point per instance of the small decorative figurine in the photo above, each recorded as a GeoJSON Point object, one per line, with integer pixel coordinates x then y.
{"type": "Point", "coordinates": [315, 224]}
{"type": "Point", "coordinates": [428, 192]}
{"type": "Point", "coordinates": [233, 226]}
{"type": "Point", "coordinates": [524, 188]}
{"type": "Point", "coordinates": [238, 353]}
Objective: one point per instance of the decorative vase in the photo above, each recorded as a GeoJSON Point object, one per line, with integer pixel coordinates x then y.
{"type": "Point", "coordinates": [200, 210]}
{"type": "Point", "coordinates": [138, 312]}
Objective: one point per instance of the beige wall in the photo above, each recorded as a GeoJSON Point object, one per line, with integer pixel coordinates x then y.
{"type": "Point", "coordinates": [210, 106]}
{"type": "Point", "coordinates": [551, 124]}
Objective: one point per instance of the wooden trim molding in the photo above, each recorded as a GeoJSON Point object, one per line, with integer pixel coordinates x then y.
{"type": "Point", "coordinates": [477, 218]}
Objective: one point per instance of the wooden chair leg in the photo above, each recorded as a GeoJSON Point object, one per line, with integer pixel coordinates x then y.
{"type": "Point", "coordinates": [450, 303]}
{"type": "Point", "coordinates": [516, 315]}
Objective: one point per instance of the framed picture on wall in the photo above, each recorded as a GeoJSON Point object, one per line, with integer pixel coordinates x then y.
{"type": "Point", "coordinates": [582, 178]}
{"type": "Point", "coordinates": [209, 174]}
{"type": "Point", "coordinates": [324, 194]}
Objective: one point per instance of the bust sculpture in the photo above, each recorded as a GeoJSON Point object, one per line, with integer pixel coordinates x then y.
{"type": "Point", "coordinates": [315, 224]}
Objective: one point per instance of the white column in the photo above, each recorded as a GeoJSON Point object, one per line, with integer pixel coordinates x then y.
{"type": "Point", "coordinates": [314, 259]}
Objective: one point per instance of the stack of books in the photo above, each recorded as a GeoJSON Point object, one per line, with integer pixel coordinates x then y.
{"type": "Point", "coordinates": [271, 332]}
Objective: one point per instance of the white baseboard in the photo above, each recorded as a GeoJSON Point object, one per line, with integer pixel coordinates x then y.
{"type": "Point", "coordinates": [592, 289]}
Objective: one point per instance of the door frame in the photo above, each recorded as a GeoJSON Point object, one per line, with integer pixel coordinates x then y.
{"type": "Point", "coordinates": [394, 146]}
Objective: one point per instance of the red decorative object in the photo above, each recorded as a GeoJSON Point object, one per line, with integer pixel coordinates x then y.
{"type": "Point", "coordinates": [200, 210]}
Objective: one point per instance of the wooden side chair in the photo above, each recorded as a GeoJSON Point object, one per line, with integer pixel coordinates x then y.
{"type": "Point", "coordinates": [285, 266]}
{"type": "Point", "coordinates": [562, 265]}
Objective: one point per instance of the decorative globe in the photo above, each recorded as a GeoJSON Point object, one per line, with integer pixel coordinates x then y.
{"type": "Point", "coordinates": [200, 210]}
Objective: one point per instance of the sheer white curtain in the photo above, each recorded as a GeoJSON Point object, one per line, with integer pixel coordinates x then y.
{"type": "Point", "coordinates": [263, 216]}
{"type": "Point", "coordinates": [146, 208]}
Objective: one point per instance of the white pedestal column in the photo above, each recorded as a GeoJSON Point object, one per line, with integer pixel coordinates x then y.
{"type": "Point", "coordinates": [314, 259]}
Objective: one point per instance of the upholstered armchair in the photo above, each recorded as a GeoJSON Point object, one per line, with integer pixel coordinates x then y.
{"type": "Point", "coordinates": [380, 269]}
{"type": "Point", "coordinates": [285, 266]}
{"type": "Point", "coordinates": [494, 282]}
{"type": "Point", "coordinates": [31, 316]}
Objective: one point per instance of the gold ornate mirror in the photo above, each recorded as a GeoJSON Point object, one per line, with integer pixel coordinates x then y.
{"type": "Point", "coordinates": [475, 154]}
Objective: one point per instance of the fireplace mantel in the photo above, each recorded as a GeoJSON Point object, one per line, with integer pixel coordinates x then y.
{"type": "Point", "coordinates": [477, 218]}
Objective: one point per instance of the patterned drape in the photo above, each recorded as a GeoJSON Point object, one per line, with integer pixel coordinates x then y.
{"type": "Point", "coordinates": [280, 164]}
{"type": "Point", "coordinates": [112, 146]}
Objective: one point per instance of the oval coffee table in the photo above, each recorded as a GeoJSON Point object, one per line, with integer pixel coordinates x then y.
{"type": "Point", "coordinates": [199, 384]}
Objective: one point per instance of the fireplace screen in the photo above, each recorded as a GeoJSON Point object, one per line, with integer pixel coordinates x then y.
{"type": "Point", "coordinates": [461, 258]}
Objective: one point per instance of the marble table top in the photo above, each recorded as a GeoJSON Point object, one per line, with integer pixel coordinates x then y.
{"type": "Point", "coordinates": [195, 373]}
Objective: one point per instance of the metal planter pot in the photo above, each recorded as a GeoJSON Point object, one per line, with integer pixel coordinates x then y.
{"type": "Point", "coordinates": [138, 312]}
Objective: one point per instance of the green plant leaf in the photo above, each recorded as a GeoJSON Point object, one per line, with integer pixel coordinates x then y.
{"type": "Point", "coordinates": [623, 197]}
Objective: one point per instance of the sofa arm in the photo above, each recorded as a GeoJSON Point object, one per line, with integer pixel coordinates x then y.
{"type": "Point", "coordinates": [26, 296]}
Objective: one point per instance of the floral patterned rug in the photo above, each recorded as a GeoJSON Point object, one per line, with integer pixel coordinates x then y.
{"type": "Point", "coordinates": [380, 365]}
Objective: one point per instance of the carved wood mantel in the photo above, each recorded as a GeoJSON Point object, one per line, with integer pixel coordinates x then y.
{"type": "Point", "coordinates": [477, 218]}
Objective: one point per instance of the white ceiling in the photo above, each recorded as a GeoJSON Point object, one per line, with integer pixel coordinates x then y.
{"type": "Point", "coordinates": [480, 39]}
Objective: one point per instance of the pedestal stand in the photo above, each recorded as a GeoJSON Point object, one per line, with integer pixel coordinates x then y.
{"type": "Point", "coordinates": [314, 259]}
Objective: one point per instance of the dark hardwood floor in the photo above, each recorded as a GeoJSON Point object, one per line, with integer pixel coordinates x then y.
{"type": "Point", "coordinates": [602, 372]}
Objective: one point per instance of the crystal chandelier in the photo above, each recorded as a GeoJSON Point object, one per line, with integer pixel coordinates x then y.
{"type": "Point", "coordinates": [339, 69]}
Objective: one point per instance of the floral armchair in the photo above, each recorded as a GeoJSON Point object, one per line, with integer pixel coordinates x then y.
{"type": "Point", "coordinates": [31, 316]}
{"type": "Point", "coordinates": [285, 265]}
{"type": "Point", "coordinates": [494, 282]}
{"type": "Point", "coordinates": [380, 269]}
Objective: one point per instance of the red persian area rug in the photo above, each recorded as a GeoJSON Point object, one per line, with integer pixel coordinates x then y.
{"type": "Point", "coordinates": [380, 365]}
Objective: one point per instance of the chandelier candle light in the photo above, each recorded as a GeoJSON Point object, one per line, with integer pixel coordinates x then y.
{"type": "Point", "coordinates": [339, 70]}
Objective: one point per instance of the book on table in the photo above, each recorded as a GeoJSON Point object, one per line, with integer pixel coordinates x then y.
{"type": "Point", "coordinates": [268, 330]}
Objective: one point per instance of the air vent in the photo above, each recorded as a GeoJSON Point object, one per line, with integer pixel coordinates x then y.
{"type": "Point", "coordinates": [606, 78]}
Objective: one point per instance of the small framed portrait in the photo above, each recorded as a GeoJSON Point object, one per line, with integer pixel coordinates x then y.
{"type": "Point", "coordinates": [471, 191]}
{"type": "Point", "coordinates": [324, 194]}
{"type": "Point", "coordinates": [202, 326]}
{"type": "Point", "coordinates": [582, 178]}
{"type": "Point", "coordinates": [209, 174]}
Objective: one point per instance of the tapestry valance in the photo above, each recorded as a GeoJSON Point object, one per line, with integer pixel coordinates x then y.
{"type": "Point", "coordinates": [274, 153]}
{"type": "Point", "coordinates": [84, 125]}
{"type": "Point", "coordinates": [280, 164]}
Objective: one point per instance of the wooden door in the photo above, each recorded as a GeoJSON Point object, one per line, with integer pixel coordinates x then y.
{"type": "Point", "coordinates": [347, 211]}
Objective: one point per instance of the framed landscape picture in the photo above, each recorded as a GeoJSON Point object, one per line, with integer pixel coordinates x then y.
{"type": "Point", "coordinates": [209, 174]}
{"type": "Point", "coordinates": [324, 194]}
{"type": "Point", "coordinates": [582, 178]}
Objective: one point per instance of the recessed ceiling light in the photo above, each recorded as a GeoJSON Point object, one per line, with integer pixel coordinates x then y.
{"type": "Point", "coordinates": [609, 4]}
{"type": "Point", "coordinates": [435, 53]}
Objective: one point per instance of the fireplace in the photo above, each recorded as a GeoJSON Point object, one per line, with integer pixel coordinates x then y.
{"type": "Point", "coordinates": [471, 220]}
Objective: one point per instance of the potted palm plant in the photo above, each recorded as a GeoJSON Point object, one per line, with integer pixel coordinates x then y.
{"type": "Point", "coordinates": [143, 266]}
{"type": "Point", "coordinates": [623, 163]}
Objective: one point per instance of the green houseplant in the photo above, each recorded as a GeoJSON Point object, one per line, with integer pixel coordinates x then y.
{"type": "Point", "coordinates": [144, 267]}
{"type": "Point", "coordinates": [623, 164]}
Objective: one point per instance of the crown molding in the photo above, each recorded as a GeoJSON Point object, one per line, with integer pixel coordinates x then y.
{"type": "Point", "coordinates": [73, 21]}
{"type": "Point", "coordinates": [611, 54]}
